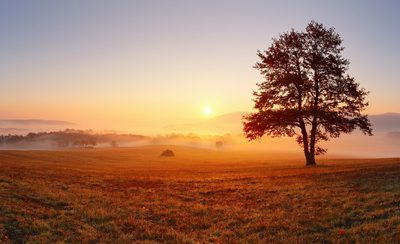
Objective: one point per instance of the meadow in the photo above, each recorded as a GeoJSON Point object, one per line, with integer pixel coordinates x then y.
{"type": "Point", "coordinates": [126, 195]}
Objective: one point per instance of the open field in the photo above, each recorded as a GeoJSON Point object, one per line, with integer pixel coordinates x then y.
{"type": "Point", "coordinates": [199, 196]}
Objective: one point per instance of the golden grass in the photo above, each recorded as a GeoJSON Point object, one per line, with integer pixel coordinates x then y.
{"type": "Point", "coordinates": [199, 196]}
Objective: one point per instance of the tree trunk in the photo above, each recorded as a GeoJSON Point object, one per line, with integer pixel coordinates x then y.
{"type": "Point", "coordinates": [313, 132]}
{"type": "Point", "coordinates": [311, 160]}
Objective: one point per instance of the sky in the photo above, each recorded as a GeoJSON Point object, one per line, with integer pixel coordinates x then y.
{"type": "Point", "coordinates": [135, 65]}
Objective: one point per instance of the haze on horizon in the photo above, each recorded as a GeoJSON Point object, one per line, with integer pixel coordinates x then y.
{"type": "Point", "coordinates": [137, 66]}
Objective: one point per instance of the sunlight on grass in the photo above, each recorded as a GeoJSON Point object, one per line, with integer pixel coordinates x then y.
{"type": "Point", "coordinates": [88, 198]}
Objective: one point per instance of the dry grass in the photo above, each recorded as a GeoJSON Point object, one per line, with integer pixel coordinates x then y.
{"type": "Point", "coordinates": [199, 196]}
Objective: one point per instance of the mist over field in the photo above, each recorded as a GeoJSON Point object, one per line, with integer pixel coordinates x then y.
{"type": "Point", "coordinates": [218, 133]}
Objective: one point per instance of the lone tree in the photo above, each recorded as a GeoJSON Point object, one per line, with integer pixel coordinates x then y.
{"type": "Point", "coordinates": [306, 92]}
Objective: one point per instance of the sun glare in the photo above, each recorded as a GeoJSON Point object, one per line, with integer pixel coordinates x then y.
{"type": "Point", "coordinates": [207, 110]}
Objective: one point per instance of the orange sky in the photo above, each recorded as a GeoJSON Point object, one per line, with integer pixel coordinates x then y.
{"type": "Point", "coordinates": [139, 66]}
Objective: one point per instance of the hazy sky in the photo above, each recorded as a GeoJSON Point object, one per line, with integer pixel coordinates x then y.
{"type": "Point", "coordinates": [136, 64]}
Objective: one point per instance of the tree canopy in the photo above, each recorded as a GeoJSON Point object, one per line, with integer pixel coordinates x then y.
{"type": "Point", "coordinates": [306, 92]}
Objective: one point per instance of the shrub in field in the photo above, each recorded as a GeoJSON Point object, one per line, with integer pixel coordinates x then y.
{"type": "Point", "coordinates": [167, 153]}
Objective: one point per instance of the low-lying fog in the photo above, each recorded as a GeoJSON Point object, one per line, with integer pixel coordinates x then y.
{"type": "Point", "coordinates": [384, 143]}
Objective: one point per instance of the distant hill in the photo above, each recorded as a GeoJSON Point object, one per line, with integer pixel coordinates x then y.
{"type": "Point", "coordinates": [34, 122]}
{"type": "Point", "coordinates": [232, 123]}
{"type": "Point", "coordinates": [226, 123]}
{"type": "Point", "coordinates": [24, 126]}
{"type": "Point", "coordinates": [386, 122]}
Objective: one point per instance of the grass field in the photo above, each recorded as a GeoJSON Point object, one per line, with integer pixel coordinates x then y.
{"type": "Point", "coordinates": [199, 196]}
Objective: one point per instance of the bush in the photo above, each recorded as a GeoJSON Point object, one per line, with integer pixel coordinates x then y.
{"type": "Point", "coordinates": [167, 153]}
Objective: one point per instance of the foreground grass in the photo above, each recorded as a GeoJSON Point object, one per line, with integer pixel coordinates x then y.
{"type": "Point", "coordinates": [129, 195]}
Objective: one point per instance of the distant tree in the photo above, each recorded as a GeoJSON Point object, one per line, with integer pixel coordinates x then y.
{"type": "Point", "coordinates": [86, 142]}
{"type": "Point", "coordinates": [91, 143]}
{"type": "Point", "coordinates": [219, 144]}
{"type": "Point", "coordinates": [63, 143]}
{"type": "Point", "coordinates": [306, 92]}
{"type": "Point", "coordinates": [114, 144]}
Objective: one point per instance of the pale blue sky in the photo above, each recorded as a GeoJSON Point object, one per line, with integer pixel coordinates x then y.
{"type": "Point", "coordinates": [124, 63]}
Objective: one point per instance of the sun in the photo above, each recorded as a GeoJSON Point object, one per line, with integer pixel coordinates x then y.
{"type": "Point", "coordinates": [207, 110]}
